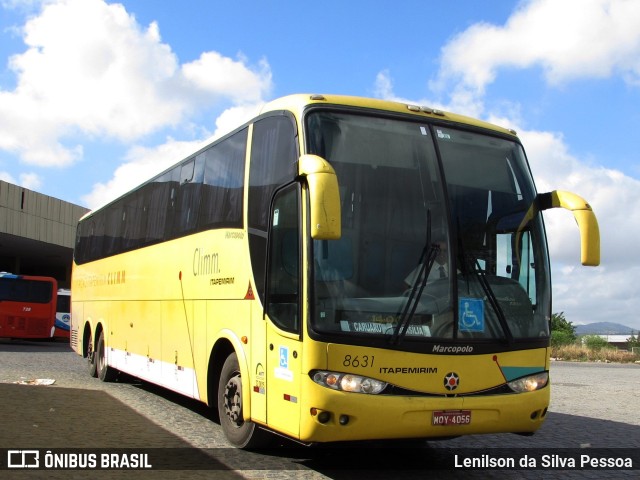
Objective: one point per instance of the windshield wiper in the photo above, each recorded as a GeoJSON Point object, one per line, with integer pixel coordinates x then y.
{"type": "Point", "coordinates": [429, 254]}
{"type": "Point", "coordinates": [473, 265]}
{"type": "Point", "coordinates": [493, 301]}
{"type": "Point", "coordinates": [425, 264]}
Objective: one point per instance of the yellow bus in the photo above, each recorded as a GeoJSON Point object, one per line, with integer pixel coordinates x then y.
{"type": "Point", "coordinates": [336, 269]}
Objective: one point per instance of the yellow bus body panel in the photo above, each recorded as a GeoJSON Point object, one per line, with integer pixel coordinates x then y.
{"type": "Point", "coordinates": [163, 307]}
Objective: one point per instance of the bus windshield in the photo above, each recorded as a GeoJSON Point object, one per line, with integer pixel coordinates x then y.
{"type": "Point", "coordinates": [435, 239]}
{"type": "Point", "coordinates": [16, 289]}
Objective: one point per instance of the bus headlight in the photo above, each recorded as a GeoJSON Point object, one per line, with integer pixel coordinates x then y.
{"type": "Point", "coordinates": [347, 382]}
{"type": "Point", "coordinates": [530, 383]}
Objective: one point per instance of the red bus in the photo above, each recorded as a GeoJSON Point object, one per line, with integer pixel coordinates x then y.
{"type": "Point", "coordinates": [27, 306]}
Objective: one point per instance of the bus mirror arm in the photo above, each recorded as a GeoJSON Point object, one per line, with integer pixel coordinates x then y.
{"type": "Point", "coordinates": [585, 218]}
{"type": "Point", "coordinates": [324, 197]}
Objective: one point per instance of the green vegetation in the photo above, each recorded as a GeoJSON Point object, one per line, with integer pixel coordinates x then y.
{"type": "Point", "coordinates": [566, 345]}
{"type": "Point", "coordinates": [595, 342]}
{"type": "Point", "coordinates": [562, 331]}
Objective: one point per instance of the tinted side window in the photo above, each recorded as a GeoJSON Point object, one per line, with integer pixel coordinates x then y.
{"type": "Point", "coordinates": [133, 226]}
{"type": "Point", "coordinates": [273, 163]}
{"type": "Point", "coordinates": [157, 207]}
{"type": "Point", "coordinates": [82, 252]}
{"type": "Point", "coordinates": [96, 234]}
{"type": "Point", "coordinates": [199, 193]}
{"type": "Point", "coordinates": [223, 182]}
{"type": "Point", "coordinates": [188, 198]}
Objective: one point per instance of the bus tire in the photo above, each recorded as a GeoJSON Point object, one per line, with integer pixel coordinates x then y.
{"type": "Point", "coordinates": [105, 372]}
{"type": "Point", "coordinates": [91, 357]}
{"type": "Point", "coordinates": [240, 433]}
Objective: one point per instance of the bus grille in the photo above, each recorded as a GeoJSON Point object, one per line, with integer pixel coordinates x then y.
{"type": "Point", "coordinates": [36, 327]}
{"type": "Point", "coordinates": [74, 339]}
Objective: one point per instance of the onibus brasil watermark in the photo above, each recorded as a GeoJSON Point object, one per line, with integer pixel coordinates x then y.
{"type": "Point", "coordinates": [50, 460]}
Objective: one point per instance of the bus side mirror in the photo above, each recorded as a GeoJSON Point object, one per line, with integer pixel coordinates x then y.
{"type": "Point", "coordinates": [324, 197]}
{"type": "Point", "coordinates": [586, 219]}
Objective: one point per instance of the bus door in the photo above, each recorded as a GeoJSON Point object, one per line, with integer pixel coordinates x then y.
{"type": "Point", "coordinates": [283, 313]}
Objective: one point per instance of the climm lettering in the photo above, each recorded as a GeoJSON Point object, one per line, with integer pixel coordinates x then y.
{"type": "Point", "coordinates": [116, 278]}
{"type": "Point", "coordinates": [205, 263]}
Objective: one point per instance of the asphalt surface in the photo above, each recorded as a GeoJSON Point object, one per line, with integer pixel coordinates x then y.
{"type": "Point", "coordinates": [594, 406]}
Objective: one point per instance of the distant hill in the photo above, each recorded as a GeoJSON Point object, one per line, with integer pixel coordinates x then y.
{"type": "Point", "coordinates": [604, 328]}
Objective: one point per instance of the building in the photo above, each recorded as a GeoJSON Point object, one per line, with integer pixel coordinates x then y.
{"type": "Point", "coordinates": [618, 341]}
{"type": "Point", "coordinates": [37, 233]}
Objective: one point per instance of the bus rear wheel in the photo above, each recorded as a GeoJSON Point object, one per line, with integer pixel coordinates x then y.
{"type": "Point", "coordinates": [239, 432]}
{"type": "Point", "coordinates": [104, 371]}
{"type": "Point", "coordinates": [91, 357]}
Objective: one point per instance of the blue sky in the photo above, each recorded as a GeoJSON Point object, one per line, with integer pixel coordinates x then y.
{"type": "Point", "coordinates": [97, 96]}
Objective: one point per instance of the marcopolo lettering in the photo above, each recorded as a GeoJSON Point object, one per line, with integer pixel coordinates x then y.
{"type": "Point", "coordinates": [452, 349]}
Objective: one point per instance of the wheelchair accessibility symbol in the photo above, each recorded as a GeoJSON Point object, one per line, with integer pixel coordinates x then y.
{"type": "Point", "coordinates": [282, 370]}
{"type": "Point", "coordinates": [471, 315]}
{"type": "Point", "coordinates": [284, 357]}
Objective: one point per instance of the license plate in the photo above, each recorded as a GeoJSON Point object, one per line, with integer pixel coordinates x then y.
{"type": "Point", "coordinates": [451, 417]}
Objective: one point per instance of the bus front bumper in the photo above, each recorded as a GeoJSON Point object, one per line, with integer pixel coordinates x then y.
{"type": "Point", "coordinates": [329, 415]}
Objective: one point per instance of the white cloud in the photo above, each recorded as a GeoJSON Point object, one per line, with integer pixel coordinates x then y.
{"type": "Point", "coordinates": [90, 70]}
{"type": "Point", "coordinates": [7, 177]}
{"type": "Point", "coordinates": [32, 181]}
{"type": "Point", "coordinates": [568, 39]}
{"type": "Point", "coordinates": [222, 76]}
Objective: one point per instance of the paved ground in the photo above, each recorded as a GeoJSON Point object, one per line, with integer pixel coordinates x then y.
{"type": "Point", "coordinates": [593, 406]}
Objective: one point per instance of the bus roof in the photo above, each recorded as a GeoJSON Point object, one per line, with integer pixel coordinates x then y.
{"type": "Point", "coordinates": [298, 102]}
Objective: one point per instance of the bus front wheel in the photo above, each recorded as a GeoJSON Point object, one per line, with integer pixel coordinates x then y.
{"type": "Point", "coordinates": [239, 432]}
{"type": "Point", "coordinates": [104, 371]}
